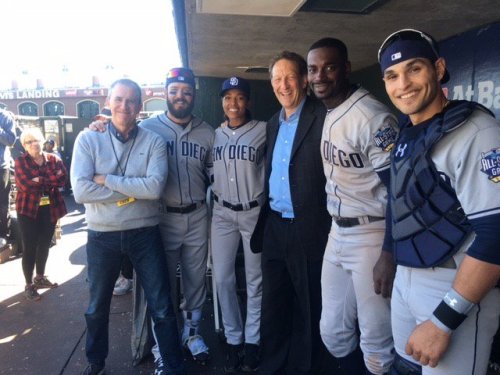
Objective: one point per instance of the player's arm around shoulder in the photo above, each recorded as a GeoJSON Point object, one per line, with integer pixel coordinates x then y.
{"type": "Point", "coordinates": [150, 155]}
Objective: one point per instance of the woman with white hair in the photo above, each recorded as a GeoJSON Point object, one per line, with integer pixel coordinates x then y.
{"type": "Point", "coordinates": [39, 204]}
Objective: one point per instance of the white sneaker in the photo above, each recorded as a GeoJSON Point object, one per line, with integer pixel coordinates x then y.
{"type": "Point", "coordinates": [122, 286]}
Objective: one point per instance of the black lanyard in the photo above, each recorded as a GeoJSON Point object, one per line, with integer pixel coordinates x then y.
{"type": "Point", "coordinates": [122, 170]}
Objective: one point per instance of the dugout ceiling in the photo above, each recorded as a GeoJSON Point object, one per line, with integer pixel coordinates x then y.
{"type": "Point", "coordinates": [216, 40]}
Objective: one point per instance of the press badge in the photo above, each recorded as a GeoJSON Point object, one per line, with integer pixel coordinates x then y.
{"type": "Point", "coordinates": [44, 201]}
{"type": "Point", "coordinates": [125, 201]}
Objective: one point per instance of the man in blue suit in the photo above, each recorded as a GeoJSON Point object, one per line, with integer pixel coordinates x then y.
{"type": "Point", "coordinates": [293, 226]}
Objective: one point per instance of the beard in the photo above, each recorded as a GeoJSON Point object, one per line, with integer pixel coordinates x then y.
{"type": "Point", "coordinates": [180, 113]}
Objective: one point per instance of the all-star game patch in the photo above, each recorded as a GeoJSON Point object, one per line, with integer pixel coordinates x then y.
{"type": "Point", "coordinates": [385, 138]}
{"type": "Point", "coordinates": [490, 164]}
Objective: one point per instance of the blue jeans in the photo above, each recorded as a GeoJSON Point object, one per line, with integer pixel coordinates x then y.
{"type": "Point", "coordinates": [105, 251]}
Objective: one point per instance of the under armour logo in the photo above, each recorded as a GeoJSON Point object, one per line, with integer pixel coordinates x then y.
{"type": "Point", "coordinates": [401, 150]}
{"type": "Point", "coordinates": [450, 302]}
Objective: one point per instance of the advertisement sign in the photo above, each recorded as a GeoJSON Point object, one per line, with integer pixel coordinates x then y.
{"type": "Point", "coordinates": [473, 60]}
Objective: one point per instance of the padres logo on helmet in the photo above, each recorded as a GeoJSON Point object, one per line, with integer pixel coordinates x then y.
{"type": "Point", "coordinates": [233, 81]}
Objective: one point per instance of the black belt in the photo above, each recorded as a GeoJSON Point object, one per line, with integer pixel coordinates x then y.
{"type": "Point", "coordinates": [239, 206]}
{"type": "Point", "coordinates": [285, 219]}
{"type": "Point", "coordinates": [347, 222]}
{"type": "Point", "coordinates": [183, 209]}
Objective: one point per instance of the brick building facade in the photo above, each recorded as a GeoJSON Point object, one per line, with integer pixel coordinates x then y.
{"type": "Point", "coordinates": [82, 103]}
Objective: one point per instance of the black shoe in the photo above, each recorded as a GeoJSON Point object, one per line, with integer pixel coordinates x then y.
{"type": "Point", "coordinates": [233, 359]}
{"type": "Point", "coordinates": [42, 282]}
{"type": "Point", "coordinates": [92, 369]}
{"type": "Point", "coordinates": [31, 293]}
{"type": "Point", "coordinates": [251, 359]}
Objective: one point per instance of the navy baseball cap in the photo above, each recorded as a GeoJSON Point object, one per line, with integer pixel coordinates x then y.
{"type": "Point", "coordinates": [183, 75]}
{"type": "Point", "coordinates": [235, 83]}
{"type": "Point", "coordinates": [408, 44]}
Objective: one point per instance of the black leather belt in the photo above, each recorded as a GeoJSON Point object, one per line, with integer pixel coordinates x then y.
{"type": "Point", "coordinates": [347, 222]}
{"type": "Point", "coordinates": [279, 216]}
{"type": "Point", "coordinates": [183, 209]}
{"type": "Point", "coordinates": [237, 207]}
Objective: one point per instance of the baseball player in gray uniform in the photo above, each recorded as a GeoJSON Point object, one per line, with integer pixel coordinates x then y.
{"type": "Point", "coordinates": [445, 206]}
{"type": "Point", "coordinates": [358, 134]}
{"type": "Point", "coordinates": [184, 215]}
{"type": "Point", "coordinates": [238, 157]}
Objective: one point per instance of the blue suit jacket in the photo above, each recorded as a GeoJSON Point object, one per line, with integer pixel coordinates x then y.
{"type": "Point", "coordinates": [307, 181]}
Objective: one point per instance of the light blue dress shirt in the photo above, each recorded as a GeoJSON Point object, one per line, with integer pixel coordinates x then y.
{"type": "Point", "coordinates": [279, 182]}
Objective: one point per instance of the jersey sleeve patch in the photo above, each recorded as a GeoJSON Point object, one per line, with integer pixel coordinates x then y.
{"type": "Point", "coordinates": [490, 164]}
{"type": "Point", "coordinates": [385, 138]}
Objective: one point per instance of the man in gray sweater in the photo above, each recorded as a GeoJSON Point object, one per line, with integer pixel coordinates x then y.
{"type": "Point", "coordinates": [119, 176]}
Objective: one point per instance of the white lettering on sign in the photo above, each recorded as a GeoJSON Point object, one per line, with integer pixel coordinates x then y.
{"type": "Point", "coordinates": [37, 94]}
{"type": "Point", "coordinates": [6, 95]}
{"type": "Point", "coordinates": [485, 93]}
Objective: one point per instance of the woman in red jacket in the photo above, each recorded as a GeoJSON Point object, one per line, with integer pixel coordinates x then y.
{"type": "Point", "coordinates": [39, 204]}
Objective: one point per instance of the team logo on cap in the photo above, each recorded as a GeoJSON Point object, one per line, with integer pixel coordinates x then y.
{"type": "Point", "coordinates": [385, 138]}
{"type": "Point", "coordinates": [395, 56]}
{"type": "Point", "coordinates": [490, 164]}
{"type": "Point", "coordinates": [233, 81]}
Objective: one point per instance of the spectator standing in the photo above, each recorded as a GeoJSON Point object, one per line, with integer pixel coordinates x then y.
{"type": "Point", "coordinates": [39, 204]}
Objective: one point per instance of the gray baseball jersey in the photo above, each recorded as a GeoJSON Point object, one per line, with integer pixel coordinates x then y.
{"type": "Point", "coordinates": [185, 235]}
{"type": "Point", "coordinates": [238, 157]}
{"type": "Point", "coordinates": [189, 158]}
{"type": "Point", "coordinates": [468, 158]}
{"type": "Point", "coordinates": [357, 138]}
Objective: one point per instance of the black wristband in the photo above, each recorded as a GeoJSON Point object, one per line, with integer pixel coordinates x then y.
{"type": "Point", "coordinates": [449, 317]}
